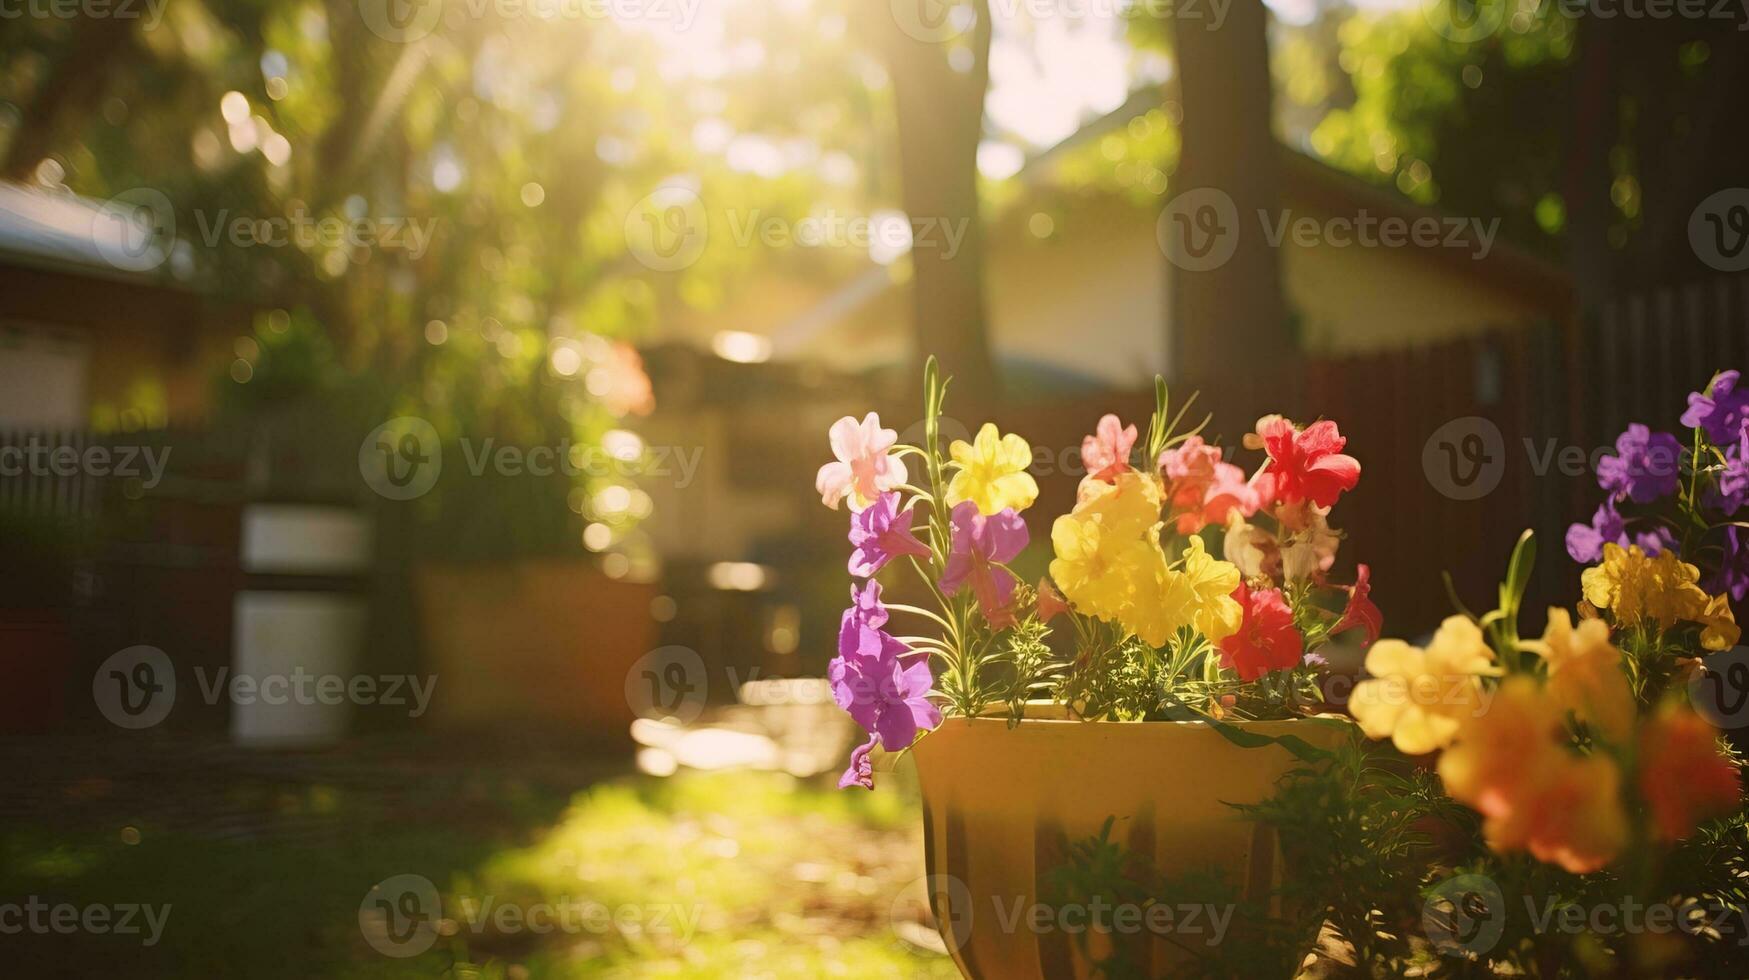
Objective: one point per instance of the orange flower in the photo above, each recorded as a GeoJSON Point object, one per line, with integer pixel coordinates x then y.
{"type": "Point", "coordinates": [1683, 776]}
{"type": "Point", "coordinates": [1585, 674]}
{"type": "Point", "coordinates": [1512, 764]}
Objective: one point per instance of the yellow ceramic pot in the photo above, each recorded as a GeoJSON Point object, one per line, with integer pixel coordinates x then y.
{"type": "Point", "coordinates": [1001, 805]}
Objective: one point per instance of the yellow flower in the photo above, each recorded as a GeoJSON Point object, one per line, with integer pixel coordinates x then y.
{"type": "Point", "coordinates": [1128, 508]}
{"type": "Point", "coordinates": [1722, 631]}
{"type": "Point", "coordinates": [992, 472]}
{"type": "Point", "coordinates": [1585, 675]}
{"type": "Point", "coordinates": [1161, 605]}
{"type": "Point", "coordinates": [1099, 571]}
{"type": "Point", "coordinates": [1663, 590]}
{"type": "Point", "coordinates": [1218, 614]}
{"type": "Point", "coordinates": [1419, 698]}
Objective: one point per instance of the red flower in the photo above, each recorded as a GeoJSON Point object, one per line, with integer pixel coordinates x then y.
{"type": "Point", "coordinates": [1682, 775]}
{"type": "Point", "coordinates": [1267, 640]}
{"type": "Point", "coordinates": [1361, 611]}
{"type": "Point", "coordinates": [1051, 603]}
{"type": "Point", "coordinates": [1108, 453]}
{"type": "Point", "coordinates": [1303, 464]}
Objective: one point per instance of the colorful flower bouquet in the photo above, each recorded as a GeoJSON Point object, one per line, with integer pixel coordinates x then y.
{"type": "Point", "coordinates": [1162, 628]}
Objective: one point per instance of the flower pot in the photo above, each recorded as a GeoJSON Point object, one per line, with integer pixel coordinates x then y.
{"type": "Point", "coordinates": [1002, 805]}
{"type": "Point", "coordinates": [36, 652]}
{"type": "Point", "coordinates": [533, 642]}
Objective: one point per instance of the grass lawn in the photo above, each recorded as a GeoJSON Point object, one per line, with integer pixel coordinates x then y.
{"type": "Point", "coordinates": [701, 875]}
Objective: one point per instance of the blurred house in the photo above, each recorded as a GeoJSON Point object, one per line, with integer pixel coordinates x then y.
{"type": "Point", "coordinates": [92, 330]}
{"type": "Point", "coordinates": [1078, 284]}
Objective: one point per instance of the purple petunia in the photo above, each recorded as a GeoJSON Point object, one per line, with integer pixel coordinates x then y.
{"type": "Point", "coordinates": [1733, 488]}
{"type": "Point", "coordinates": [1733, 574]}
{"type": "Point", "coordinates": [886, 696]}
{"type": "Point", "coordinates": [1721, 410]}
{"type": "Point", "coordinates": [980, 546]}
{"type": "Point", "coordinates": [1585, 541]}
{"type": "Point", "coordinates": [861, 771]}
{"type": "Point", "coordinates": [1646, 466]}
{"type": "Point", "coordinates": [880, 533]}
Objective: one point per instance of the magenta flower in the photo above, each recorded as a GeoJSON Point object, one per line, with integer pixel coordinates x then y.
{"type": "Point", "coordinates": [865, 613]}
{"type": "Point", "coordinates": [886, 696]}
{"type": "Point", "coordinates": [1721, 410]}
{"type": "Point", "coordinates": [1734, 478]}
{"type": "Point", "coordinates": [1107, 452]}
{"type": "Point", "coordinates": [1733, 574]}
{"type": "Point", "coordinates": [980, 546]}
{"type": "Point", "coordinates": [881, 533]}
{"type": "Point", "coordinates": [1646, 466]}
{"type": "Point", "coordinates": [861, 771]}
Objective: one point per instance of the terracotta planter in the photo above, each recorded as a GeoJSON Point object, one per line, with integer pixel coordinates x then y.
{"type": "Point", "coordinates": [546, 643]}
{"type": "Point", "coordinates": [1001, 806]}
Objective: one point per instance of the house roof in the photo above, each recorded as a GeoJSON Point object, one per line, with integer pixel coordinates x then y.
{"type": "Point", "coordinates": [65, 232]}
{"type": "Point", "coordinates": [1517, 270]}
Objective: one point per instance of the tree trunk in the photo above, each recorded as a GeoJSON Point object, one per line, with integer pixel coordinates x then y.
{"type": "Point", "coordinates": [1225, 314]}
{"type": "Point", "coordinates": [940, 114]}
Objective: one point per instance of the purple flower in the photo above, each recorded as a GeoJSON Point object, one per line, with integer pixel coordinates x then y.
{"type": "Point", "coordinates": [881, 532]}
{"type": "Point", "coordinates": [1734, 478]}
{"type": "Point", "coordinates": [980, 545]}
{"type": "Point", "coordinates": [861, 771]}
{"type": "Point", "coordinates": [1733, 574]}
{"type": "Point", "coordinates": [1721, 410]}
{"type": "Point", "coordinates": [1585, 541]}
{"type": "Point", "coordinates": [865, 609]}
{"type": "Point", "coordinates": [1647, 465]}
{"type": "Point", "coordinates": [887, 697]}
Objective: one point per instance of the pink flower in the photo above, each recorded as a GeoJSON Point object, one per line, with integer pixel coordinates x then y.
{"type": "Point", "coordinates": [861, 770]}
{"type": "Point", "coordinates": [1268, 639]}
{"type": "Point", "coordinates": [864, 468]}
{"type": "Point", "coordinates": [1361, 611]}
{"type": "Point", "coordinates": [1303, 464]}
{"type": "Point", "coordinates": [1201, 489]}
{"type": "Point", "coordinates": [1107, 453]}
